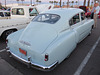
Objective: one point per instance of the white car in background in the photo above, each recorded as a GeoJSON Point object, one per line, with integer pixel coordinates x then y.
{"type": "Point", "coordinates": [20, 17]}
{"type": "Point", "coordinates": [49, 38]}
{"type": "Point", "coordinates": [4, 14]}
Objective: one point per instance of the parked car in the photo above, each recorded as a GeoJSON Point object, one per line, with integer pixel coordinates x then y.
{"type": "Point", "coordinates": [9, 9]}
{"type": "Point", "coordinates": [99, 15]}
{"type": "Point", "coordinates": [87, 11]}
{"type": "Point", "coordinates": [20, 17]}
{"type": "Point", "coordinates": [4, 14]}
{"type": "Point", "coordinates": [49, 38]}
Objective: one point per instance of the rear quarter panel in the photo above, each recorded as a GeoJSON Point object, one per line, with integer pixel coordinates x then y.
{"type": "Point", "coordinates": [61, 47]}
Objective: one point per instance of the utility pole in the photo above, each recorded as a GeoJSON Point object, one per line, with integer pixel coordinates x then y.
{"type": "Point", "coordinates": [84, 2]}
{"type": "Point", "coordinates": [78, 3]}
{"type": "Point", "coordinates": [88, 3]}
{"type": "Point", "coordinates": [5, 3]}
{"type": "Point", "coordinates": [31, 2]}
{"type": "Point", "coordinates": [0, 5]}
{"type": "Point", "coordinates": [60, 3]}
{"type": "Point", "coordinates": [67, 2]}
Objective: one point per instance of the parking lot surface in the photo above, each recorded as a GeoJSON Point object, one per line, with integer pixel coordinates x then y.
{"type": "Point", "coordinates": [70, 66]}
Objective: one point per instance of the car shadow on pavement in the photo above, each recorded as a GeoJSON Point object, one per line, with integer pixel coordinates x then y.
{"type": "Point", "coordinates": [1, 40]}
{"type": "Point", "coordinates": [2, 44]}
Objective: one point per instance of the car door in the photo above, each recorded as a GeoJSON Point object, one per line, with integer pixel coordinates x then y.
{"type": "Point", "coordinates": [79, 24]}
{"type": "Point", "coordinates": [75, 23]}
{"type": "Point", "coordinates": [85, 26]}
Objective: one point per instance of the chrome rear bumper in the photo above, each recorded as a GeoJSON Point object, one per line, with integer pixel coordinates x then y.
{"type": "Point", "coordinates": [33, 65]}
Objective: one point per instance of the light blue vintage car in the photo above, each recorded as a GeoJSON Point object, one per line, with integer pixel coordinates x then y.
{"type": "Point", "coordinates": [49, 38]}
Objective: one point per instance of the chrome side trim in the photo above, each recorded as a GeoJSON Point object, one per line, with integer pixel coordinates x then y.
{"type": "Point", "coordinates": [34, 65]}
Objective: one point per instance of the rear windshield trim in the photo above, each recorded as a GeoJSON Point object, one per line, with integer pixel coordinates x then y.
{"type": "Point", "coordinates": [53, 18]}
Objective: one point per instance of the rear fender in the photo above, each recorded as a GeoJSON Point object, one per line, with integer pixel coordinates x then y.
{"type": "Point", "coordinates": [61, 47]}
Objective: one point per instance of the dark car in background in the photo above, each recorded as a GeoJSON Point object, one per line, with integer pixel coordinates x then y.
{"type": "Point", "coordinates": [86, 9]}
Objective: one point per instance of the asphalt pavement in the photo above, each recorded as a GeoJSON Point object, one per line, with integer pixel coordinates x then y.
{"type": "Point", "coordinates": [7, 69]}
{"type": "Point", "coordinates": [93, 65]}
{"type": "Point", "coordinates": [71, 65]}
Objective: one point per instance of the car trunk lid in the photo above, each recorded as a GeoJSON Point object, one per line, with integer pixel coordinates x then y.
{"type": "Point", "coordinates": [38, 36]}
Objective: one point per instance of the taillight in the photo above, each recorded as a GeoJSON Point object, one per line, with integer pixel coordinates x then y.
{"type": "Point", "coordinates": [46, 57]}
{"type": "Point", "coordinates": [22, 51]}
{"type": "Point", "coordinates": [6, 40]}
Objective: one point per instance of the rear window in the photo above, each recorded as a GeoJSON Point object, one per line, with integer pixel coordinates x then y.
{"type": "Point", "coordinates": [33, 12]}
{"type": "Point", "coordinates": [18, 11]}
{"type": "Point", "coordinates": [47, 18]}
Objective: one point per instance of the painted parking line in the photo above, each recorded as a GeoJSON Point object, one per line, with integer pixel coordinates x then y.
{"type": "Point", "coordinates": [2, 50]}
{"type": "Point", "coordinates": [84, 62]}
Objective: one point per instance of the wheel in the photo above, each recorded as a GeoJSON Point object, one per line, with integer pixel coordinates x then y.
{"type": "Point", "coordinates": [6, 33]}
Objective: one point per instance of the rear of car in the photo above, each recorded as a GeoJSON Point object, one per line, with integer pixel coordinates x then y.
{"type": "Point", "coordinates": [43, 43]}
{"type": "Point", "coordinates": [31, 51]}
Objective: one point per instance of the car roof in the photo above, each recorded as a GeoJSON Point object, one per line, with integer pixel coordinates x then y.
{"type": "Point", "coordinates": [23, 6]}
{"type": "Point", "coordinates": [65, 12]}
